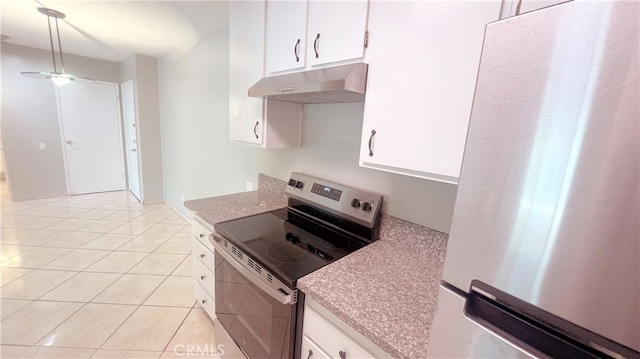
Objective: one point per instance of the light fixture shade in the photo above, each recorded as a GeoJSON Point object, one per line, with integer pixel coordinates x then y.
{"type": "Point", "coordinates": [58, 78]}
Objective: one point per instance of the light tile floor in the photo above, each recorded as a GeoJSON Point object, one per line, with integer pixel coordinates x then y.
{"type": "Point", "coordinates": [97, 276]}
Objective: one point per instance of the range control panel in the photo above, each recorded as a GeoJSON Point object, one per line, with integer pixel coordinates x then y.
{"type": "Point", "coordinates": [360, 206]}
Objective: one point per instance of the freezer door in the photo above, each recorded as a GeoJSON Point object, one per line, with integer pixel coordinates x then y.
{"type": "Point", "coordinates": [459, 337]}
{"type": "Point", "coordinates": [548, 202]}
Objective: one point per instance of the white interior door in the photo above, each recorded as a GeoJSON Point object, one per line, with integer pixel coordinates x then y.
{"type": "Point", "coordinates": [90, 125]}
{"type": "Point", "coordinates": [131, 138]}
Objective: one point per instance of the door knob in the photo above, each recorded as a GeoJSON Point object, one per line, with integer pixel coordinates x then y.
{"type": "Point", "coordinates": [69, 142]}
{"type": "Point", "coordinates": [133, 150]}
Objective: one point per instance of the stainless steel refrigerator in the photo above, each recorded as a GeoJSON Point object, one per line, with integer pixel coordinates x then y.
{"type": "Point", "coordinates": [543, 258]}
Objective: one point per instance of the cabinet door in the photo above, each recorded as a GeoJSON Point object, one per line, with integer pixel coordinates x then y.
{"type": "Point", "coordinates": [336, 30]}
{"type": "Point", "coordinates": [423, 62]}
{"type": "Point", "coordinates": [246, 59]}
{"type": "Point", "coordinates": [286, 35]}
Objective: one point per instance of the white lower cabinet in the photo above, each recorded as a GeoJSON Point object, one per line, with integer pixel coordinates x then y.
{"type": "Point", "coordinates": [311, 351]}
{"type": "Point", "coordinates": [203, 267]}
{"type": "Point", "coordinates": [326, 336]}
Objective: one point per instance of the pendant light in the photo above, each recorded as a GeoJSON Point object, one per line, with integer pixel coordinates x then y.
{"type": "Point", "coordinates": [58, 78]}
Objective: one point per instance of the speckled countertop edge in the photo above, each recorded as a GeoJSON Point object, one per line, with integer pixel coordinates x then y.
{"type": "Point", "coordinates": [387, 290]}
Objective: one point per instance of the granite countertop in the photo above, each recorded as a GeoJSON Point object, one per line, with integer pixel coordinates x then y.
{"type": "Point", "coordinates": [386, 291]}
{"type": "Point", "coordinates": [269, 196]}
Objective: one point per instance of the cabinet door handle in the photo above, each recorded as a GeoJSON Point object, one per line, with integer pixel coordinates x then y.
{"type": "Point", "coordinates": [202, 255]}
{"type": "Point", "coordinates": [255, 129]}
{"type": "Point", "coordinates": [373, 133]}
{"type": "Point", "coordinates": [310, 354]}
{"type": "Point", "coordinates": [315, 45]}
{"type": "Point", "coordinates": [201, 235]}
{"type": "Point", "coordinates": [204, 301]}
{"type": "Point", "coordinates": [295, 50]}
{"type": "Point", "coordinates": [202, 277]}
{"type": "Point", "coordinates": [343, 355]}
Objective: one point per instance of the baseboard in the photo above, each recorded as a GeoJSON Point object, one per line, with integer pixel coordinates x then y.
{"type": "Point", "coordinates": [184, 216]}
{"type": "Point", "coordinates": [38, 196]}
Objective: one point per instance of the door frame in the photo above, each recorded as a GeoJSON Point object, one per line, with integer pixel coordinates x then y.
{"type": "Point", "coordinates": [62, 143]}
{"type": "Point", "coordinates": [137, 130]}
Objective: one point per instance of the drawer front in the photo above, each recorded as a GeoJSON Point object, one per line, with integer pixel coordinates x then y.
{"type": "Point", "coordinates": [202, 233]}
{"type": "Point", "coordinates": [204, 276]}
{"type": "Point", "coordinates": [330, 339]}
{"type": "Point", "coordinates": [205, 300]}
{"type": "Point", "coordinates": [311, 351]}
{"type": "Point", "coordinates": [203, 254]}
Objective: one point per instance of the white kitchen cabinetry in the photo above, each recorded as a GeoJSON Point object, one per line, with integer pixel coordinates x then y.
{"type": "Point", "coordinates": [423, 62]}
{"type": "Point", "coordinates": [203, 267]}
{"type": "Point", "coordinates": [335, 32]}
{"type": "Point", "coordinates": [286, 33]}
{"type": "Point", "coordinates": [326, 336]}
{"type": "Point", "coordinates": [254, 121]}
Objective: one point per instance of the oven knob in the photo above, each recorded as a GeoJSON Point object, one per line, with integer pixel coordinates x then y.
{"type": "Point", "coordinates": [366, 206]}
{"type": "Point", "coordinates": [292, 182]}
{"type": "Point", "coordinates": [299, 184]}
{"type": "Point", "coordinates": [355, 203]}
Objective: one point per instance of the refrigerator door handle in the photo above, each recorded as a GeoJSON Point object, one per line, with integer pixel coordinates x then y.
{"type": "Point", "coordinates": [535, 331]}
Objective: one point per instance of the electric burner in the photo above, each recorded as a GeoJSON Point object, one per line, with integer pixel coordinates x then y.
{"type": "Point", "coordinates": [287, 252]}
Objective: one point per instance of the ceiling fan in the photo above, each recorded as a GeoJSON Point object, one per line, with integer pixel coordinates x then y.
{"type": "Point", "coordinates": [58, 78]}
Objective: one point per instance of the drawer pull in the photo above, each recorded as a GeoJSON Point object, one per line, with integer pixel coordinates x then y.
{"type": "Point", "coordinates": [343, 355]}
{"type": "Point", "coordinates": [202, 255]}
{"type": "Point", "coordinates": [310, 354]}
{"type": "Point", "coordinates": [202, 277]}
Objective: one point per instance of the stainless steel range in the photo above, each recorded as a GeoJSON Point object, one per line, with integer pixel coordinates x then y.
{"type": "Point", "coordinates": [260, 258]}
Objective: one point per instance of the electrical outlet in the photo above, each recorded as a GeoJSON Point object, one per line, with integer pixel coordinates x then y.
{"type": "Point", "coordinates": [249, 186]}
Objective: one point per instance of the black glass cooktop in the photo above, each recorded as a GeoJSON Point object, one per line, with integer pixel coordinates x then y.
{"type": "Point", "coordinates": [288, 244]}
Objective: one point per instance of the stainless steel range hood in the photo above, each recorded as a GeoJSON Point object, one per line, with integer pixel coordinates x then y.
{"type": "Point", "coordinates": [344, 83]}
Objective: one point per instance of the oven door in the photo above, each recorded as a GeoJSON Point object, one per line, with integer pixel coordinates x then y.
{"type": "Point", "coordinates": [258, 316]}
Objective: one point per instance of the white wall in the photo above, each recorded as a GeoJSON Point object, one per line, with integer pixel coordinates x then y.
{"type": "Point", "coordinates": [198, 158]}
{"type": "Point", "coordinates": [29, 116]}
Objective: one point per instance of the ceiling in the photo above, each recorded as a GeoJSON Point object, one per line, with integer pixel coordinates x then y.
{"type": "Point", "coordinates": [113, 30]}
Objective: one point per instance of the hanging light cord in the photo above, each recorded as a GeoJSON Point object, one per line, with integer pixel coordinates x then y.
{"type": "Point", "coordinates": [60, 46]}
{"type": "Point", "coordinates": [53, 54]}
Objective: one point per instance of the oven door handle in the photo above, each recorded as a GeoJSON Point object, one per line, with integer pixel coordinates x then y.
{"type": "Point", "coordinates": [277, 294]}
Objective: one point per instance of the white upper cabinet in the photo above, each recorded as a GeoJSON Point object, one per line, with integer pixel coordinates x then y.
{"type": "Point", "coordinates": [254, 121]}
{"type": "Point", "coordinates": [336, 30]}
{"type": "Point", "coordinates": [308, 33]}
{"type": "Point", "coordinates": [286, 34]}
{"type": "Point", "coordinates": [423, 61]}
